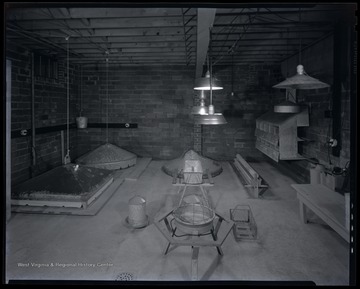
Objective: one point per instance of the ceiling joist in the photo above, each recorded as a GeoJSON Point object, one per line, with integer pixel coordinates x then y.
{"type": "Point", "coordinates": [205, 20]}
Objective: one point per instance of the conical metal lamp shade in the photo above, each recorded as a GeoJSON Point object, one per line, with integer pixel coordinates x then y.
{"type": "Point", "coordinates": [287, 107]}
{"type": "Point", "coordinates": [203, 83]}
{"type": "Point", "coordinates": [301, 81]}
{"type": "Point", "coordinates": [210, 119]}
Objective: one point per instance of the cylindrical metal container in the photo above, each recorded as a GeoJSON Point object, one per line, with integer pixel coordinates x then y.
{"type": "Point", "coordinates": [81, 122]}
{"type": "Point", "coordinates": [315, 173]}
{"type": "Point", "coordinates": [137, 212]}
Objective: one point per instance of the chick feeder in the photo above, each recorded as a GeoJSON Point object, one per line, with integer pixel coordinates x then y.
{"type": "Point", "coordinates": [193, 222]}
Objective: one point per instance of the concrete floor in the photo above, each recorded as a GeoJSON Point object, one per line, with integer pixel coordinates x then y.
{"type": "Point", "coordinates": [285, 250]}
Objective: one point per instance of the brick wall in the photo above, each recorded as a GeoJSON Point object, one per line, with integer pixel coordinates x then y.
{"type": "Point", "coordinates": [50, 110]}
{"type": "Point", "coordinates": [157, 98]}
{"type": "Point", "coordinates": [252, 98]}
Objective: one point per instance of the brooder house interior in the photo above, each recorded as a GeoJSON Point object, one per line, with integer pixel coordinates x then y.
{"type": "Point", "coordinates": [180, 143]}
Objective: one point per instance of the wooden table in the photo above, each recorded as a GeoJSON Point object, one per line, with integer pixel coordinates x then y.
{"type": "Point", "coordinates": [325, 203]}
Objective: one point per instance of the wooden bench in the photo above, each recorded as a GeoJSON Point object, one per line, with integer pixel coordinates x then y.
{"type": "Point", "coordinates": [325, 203]}
{"type": "Point", "coordinates": [250, 178]}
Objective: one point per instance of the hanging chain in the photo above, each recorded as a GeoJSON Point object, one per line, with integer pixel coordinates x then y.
{"type": "Point", "coordinates": [210, 67]}
{"type": "Point", "coordinates": [80, 89]}
{"type": "Point", "coordinates": [68, 99]}
{"type": "Point", "coordinates": [300, 36]}
{"type": "Point", "coordinates": [107, 98]}
{"type": "Point", "coordinates": [232, 73]}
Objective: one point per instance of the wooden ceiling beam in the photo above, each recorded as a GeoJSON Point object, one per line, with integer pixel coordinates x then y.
{"type": "Point", "coordinates": [132, 45]}
{"type": "Point", "coordinates": [86, 22]}
{"type": "Point", "coordinates": [104, 23]}
{"type": "Point", "coordinates": [264, 31]}
{"type": "Point", "coordinates": [65, 12]}
{"type": "Point", "coordinates": [205, 20]}
{"type": "Point", "coordinates": [124, 58]}
{"type": "Point", "coordinates": [274, 12]}
{"type": "Point", "coordinates": [35, 13]}
{"type": "Point", "coordinates": [138, 63]}
{"type": "Point", "coordinates": [135, 50]}
{"type": "Point", "coordinates": [99, 32]}
{"type": "Point", "coordinates": [288, 23]}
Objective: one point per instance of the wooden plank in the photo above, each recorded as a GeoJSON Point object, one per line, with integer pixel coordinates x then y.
{"type": "Point", "coordinates": [248, 178]}
{"type": "Point", "coordinates": [8, 140]}
{"type": "Point", "coordinates": [225, 230]}
{"type": "Point", "coordinates": [38, 203]}
{"type": "Point", "coordinates": [247, 166]}
{"type": "Point", "coordinates": [130, 62]}
{"type": "Point", "coordinates": [162, 217]}
{"type": "Point", "coordinates": [141, 164]}
{"type": "Point", "coordinates": [131, 59]}
{"type": "Point", "coordinates": [255, 183]}
{"type": "Point", "coordinates": [327, 204]}
{"type": "Point", "coordinates": [99, 192]}
{"type": "Point", "coordinates": [302, 212]}
{"type": "Point", "coordinates": [194, 263]}
{"type": "Point", "coordinates": [82, 45]}
{"type": "Point", "coordinates": [126, 12]}
{"type": "Point", "coordinates": [179, 184]}
{"type": "Point", "coordinates": [164, 231]}
{"type": "Point", "coordinates": [65, 12]}
{"type": "Point", "coordinates": [96, 50]}
{"type": "Point", "coordinates": [205, 20]}
{"type": "Point", "coordinates": [104, 23]}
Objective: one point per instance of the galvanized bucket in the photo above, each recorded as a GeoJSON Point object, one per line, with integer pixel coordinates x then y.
{"type": "Point", "coordinates": [81, 122]}
{"type": "Point", "coordinates": [137, 212]}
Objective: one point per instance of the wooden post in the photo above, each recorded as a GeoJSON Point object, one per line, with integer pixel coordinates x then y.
{"type": "Point", "coordinates": [302, 212]}
{"type": "Point", "coordinates": [8, 140]}
{"type": "Point", "coordinates": [194, 263]}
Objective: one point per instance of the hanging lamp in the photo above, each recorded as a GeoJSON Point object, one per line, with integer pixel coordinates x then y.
{"type": "Point", "coordinates": [288, 106]}
{"type": "Point", "coordinates": [210, 118]}
{"type": "Point", "coordinates": [301, 80]}
{"type": "Point", "coordinates": [203, 83]}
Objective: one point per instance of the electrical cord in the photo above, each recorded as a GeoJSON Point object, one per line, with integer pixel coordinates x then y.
{"type": "Point", "coordinates": [68, 101]}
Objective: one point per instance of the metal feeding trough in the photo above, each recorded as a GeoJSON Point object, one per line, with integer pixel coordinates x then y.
{"type": "Point", "coordinates": [108, 156]}
{"type": "Point", "coordinates": [194, 219]}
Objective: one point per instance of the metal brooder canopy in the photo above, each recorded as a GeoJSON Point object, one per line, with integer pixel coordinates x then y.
{"type": "Point", "coordinates": [108, 156]}
{"type": "Point", "coordinates": [175, 166]}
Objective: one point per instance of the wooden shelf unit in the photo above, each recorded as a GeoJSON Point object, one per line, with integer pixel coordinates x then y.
{"type": "Point", "coordinates": [276, 134]}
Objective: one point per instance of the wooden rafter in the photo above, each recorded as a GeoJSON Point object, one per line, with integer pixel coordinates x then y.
{"type": "Point", "coordinates": [205, 20]}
